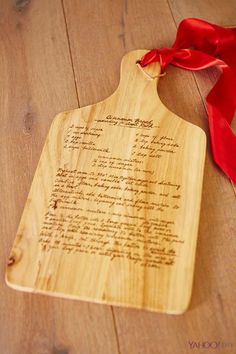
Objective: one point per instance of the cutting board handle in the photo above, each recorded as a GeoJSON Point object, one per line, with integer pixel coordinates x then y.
{"type": "Point", "coordinates": [138, 84]}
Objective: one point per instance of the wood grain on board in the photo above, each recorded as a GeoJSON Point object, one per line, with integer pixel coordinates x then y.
{"type": "Point", "coordinates": [112, 214]}
{"type": "Point", "coordinates": [99, 33]}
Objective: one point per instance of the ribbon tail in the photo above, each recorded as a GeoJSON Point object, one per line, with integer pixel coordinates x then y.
{"type": "Point", "coordinates": [221, 106]}
{"type": "Point", "coordinates": [221, 112]}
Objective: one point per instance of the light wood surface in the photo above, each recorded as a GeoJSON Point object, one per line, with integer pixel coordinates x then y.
{"type": "Point", "coordinates": [112, 214]}
{"type": "Point", "coordinates": [53, 57]}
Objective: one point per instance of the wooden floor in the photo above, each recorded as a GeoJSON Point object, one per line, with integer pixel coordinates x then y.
{"type": "Point", "coordinates": [57, 55]}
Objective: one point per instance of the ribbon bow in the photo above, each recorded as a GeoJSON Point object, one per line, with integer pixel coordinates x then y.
{"type": "Point", "coordinates": [200, 45]}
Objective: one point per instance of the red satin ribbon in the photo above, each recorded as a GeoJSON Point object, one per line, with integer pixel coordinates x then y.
{"type": "Point", "coordinates": [200, 45]}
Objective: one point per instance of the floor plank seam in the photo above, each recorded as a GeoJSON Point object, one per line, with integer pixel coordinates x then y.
{"type": "Point", "coordinates": [70, 51]}
{"type": "Point", "coordinates": [172, 15]}
{"type": "Point", "coordinates": [115, 329]}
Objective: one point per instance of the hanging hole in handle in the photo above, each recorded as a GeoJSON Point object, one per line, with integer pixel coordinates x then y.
{"type": "Point", "coordinates": [149, 76]}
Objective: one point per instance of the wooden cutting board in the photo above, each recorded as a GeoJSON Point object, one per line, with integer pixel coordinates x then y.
{"type": "Point", "coordinates": [113, 211]}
